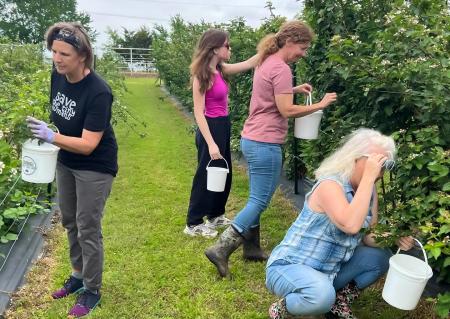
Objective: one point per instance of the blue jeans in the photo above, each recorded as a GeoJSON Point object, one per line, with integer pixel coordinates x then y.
{"type": "Point", "coordinates": [311, 292]}
{"type": "Point", "coordinates": [264, 169]}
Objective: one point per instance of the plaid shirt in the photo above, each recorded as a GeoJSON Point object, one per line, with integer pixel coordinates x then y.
{"type": "Point", "coordinates": [313, 239]}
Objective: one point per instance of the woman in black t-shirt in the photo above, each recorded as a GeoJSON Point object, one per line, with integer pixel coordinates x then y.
{"type": "Point", "coordinates": [87, 162]}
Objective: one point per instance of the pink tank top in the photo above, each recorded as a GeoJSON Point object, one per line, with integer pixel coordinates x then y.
{"type": "Point", "coordinates": [216, 98]}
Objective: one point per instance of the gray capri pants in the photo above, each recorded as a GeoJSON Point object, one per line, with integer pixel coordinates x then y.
{"type": "Point", "coordinates": [82, 196]}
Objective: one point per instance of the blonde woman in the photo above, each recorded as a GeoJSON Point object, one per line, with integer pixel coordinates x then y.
{"type": "Point", "coordinates": [87, 162]}
{"type": "Point", "coordinates": [325, 259]}
{"type": "Point", "coordinates": [210, 95]}
{"type": "Point", "coordinates": [264, 134]}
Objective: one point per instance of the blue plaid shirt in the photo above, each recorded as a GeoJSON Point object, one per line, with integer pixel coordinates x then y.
{"type": "Point", "coordinates": [313, 240]}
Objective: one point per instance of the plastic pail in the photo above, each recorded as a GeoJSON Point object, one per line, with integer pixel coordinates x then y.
{"type": "Point", "coordinates": [307, 127]}
{"type": "Point", "coordinates": [406, 279]}
{"type": "Point", "coordinates": [216, 177]}
{"type": "Point", "coordinates": [38, 161]}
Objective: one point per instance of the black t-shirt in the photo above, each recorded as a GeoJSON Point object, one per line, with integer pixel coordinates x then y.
{"type": "Point", "coordinates": [85, 105]}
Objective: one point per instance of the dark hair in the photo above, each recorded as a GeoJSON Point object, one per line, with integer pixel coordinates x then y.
{"type": "Point", "coordinates": [74, 34]}
{"type": "Point", "coordinates": [210, 40]}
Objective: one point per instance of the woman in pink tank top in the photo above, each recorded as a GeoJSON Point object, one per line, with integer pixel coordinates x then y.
{"type": "Point", "coordinates": [210, 96]}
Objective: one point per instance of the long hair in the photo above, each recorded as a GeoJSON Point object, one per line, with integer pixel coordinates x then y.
{"type": "Point", "coordinates": [355, 145]}
{"type": "Point", "coordinates": [294, 31]}
{"type": "Point", "coordinates": [80, 39]}
{"type": "Point", "coordinates": [210, 40]}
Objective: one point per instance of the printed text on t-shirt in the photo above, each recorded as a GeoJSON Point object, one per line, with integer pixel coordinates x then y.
{"type": "Point", "coordinates": [64, 106]}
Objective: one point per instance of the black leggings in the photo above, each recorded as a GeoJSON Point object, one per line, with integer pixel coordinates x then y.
{"type": "Point", "coordinates": [204, 202]}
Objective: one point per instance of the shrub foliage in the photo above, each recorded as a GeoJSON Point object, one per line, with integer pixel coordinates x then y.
{"type": "Point", "coordinates": [388, 61]}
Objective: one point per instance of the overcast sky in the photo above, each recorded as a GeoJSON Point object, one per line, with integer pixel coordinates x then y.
{"type": "Point", "coordinates": [132, 14]}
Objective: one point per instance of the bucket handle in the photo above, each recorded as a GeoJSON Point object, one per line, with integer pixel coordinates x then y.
{"type": "Point", "coordinates": [423, 250]}
{"type": "Point", "coordinates": [309, 99]}
{"type": "Point", "coordinates": [216, 160]}
{"type": "Point", "coordinates": [53, 125]}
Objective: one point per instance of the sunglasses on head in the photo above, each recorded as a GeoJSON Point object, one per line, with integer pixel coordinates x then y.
{"type": "Point", "coordinates": [388, 164]}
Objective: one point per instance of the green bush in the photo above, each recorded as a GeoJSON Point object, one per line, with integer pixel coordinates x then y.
{"type": "Point", "coordinates": [23, 91]}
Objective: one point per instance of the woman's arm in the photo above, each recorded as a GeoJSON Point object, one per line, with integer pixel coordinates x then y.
{"type": "Point", "coordinates": [84, 145]}
{"type": "Point", "coordinates": [404, 243]}
{"type": "Point", "coordinates": [330, 198]}
{"type": "Point", "coordinates": [287, 109]}
{"type": "Point", "coordinates": [199, 114]}
{"type": "Point", "coordinates": [233, 68]}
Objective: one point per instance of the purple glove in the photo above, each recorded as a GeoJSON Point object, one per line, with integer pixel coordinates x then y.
{"type": "Point", "coordinates": [40, 130]}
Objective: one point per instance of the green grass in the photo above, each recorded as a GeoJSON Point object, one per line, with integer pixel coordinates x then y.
{"type": "Point", "coordinates": [153, 270]}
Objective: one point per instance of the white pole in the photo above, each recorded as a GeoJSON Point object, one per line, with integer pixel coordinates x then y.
{"type": "Point", "coordinates": [131, 59]}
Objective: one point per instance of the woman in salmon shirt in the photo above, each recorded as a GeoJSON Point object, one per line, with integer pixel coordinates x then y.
{"type": "Point", "coordinates": [264, 134]}
{"type": "Point", "coordinates": [210, 95]}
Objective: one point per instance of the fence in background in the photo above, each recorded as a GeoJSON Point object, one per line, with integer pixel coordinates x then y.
{"type": "Point", "coordinates": [136, 61]}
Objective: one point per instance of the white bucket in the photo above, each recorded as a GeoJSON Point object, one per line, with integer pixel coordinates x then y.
{"type": "Point", "coordinates": [307, 127]}
{"type": "Point", "coordinates": [406, 280]}
{"type": "Point", "coordinates": [216, 177]}
{"type": "Point", "coordinates": [38, 161]}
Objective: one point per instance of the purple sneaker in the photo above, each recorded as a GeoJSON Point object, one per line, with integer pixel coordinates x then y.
{"type": "Point", "coordinates": [86, 302]}
{"type": "Point", "coordinates": [70, 286]}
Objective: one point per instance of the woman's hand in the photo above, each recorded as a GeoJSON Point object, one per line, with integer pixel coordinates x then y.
{"type": "Point", "coordinates": [405, 243]}
{"type": "Point", "coordinates": [327, 100]}
{"type": "Point", "coordinates": [304, 88]}
{"type": "Point", "coordinates": [214, 151]}
{"type": "Point", "coordinates": [40, 129]}
{"type": "Point", "coordinates": [373, 166]}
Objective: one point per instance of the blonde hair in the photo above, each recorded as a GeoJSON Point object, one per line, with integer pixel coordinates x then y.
{"type": "Point", "coordinates": [355, 145]}
{"type": "Point", "coordinates": [82, 43]}
{"type": "Point", "coordinates": [294, 31]}
{"type": "Point", "coordinates": [200, 68]}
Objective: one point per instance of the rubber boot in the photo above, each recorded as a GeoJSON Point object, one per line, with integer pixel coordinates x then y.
{"type": "Point", "coordinates": [252, 247]}
{"type": "Point", "coordinates": [218, 254]}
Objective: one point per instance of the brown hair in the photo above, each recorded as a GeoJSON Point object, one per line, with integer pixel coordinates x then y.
{"type": "Point", "coordinates": [210, 40]}
{"type": "Point", "coordinates": [74, 34]}
{"type": "Point", "coordinates": [294, 31]}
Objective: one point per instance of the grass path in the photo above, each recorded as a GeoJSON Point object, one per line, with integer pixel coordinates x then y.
{"type": "Point", "coordinates": [152, 270]}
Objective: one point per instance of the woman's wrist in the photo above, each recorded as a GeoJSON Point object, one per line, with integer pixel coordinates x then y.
{"type": "Point", "coordinates": [319, 105]}
{"type": "Point", "coordinates": [369, 179]}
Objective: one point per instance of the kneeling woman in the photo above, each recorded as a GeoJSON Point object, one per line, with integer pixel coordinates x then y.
{"type": "Point", "coordinates": [325, 259]}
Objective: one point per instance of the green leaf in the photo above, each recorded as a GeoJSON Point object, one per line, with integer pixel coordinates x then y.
{"type": "Point", "coordinates": [10, 213]}
{"type": "Point", "coordinates": [444, 229]}
{"type": "Point", "coordinates": [438, 168]}
{"type": "Point", "coordinates": [11, 236]}
{"type": "Point", "coordinates": [446, 187]}
{"type": "Point", "coordinates": [435, 252]}
{"type": "Point", "coordinates": [446, 262]}
{"type": "Point", "coordinates": [388, 110]}
{"type": "Point", "coordinates": [443, 305]}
